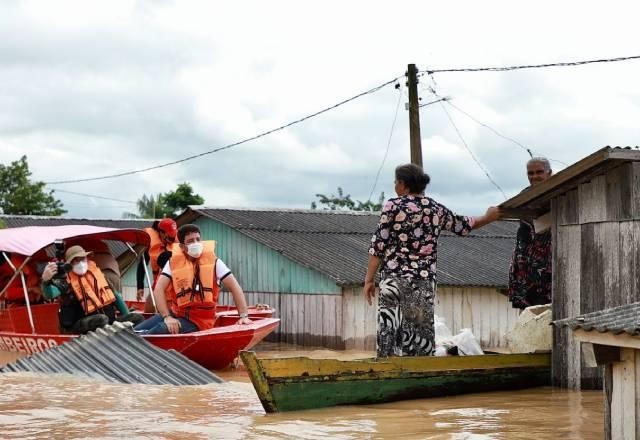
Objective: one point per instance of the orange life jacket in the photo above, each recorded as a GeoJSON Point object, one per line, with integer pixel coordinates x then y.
{"type": "Point", "coordinates": [91, 289]}
{"type": "Point", "coordinates": [156, 247]}
{"type": "Point", "coordinates": [15, 292]}
{"type": "Point", "coordinates": [190, 299]}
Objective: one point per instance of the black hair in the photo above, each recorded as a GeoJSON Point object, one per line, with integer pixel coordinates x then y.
{"type": "Point", "coordinates": [155, 224]}
{"type": "Point", "coordinates": [184, 230]}
{"type": "Point", "coordinates": [413, 176]}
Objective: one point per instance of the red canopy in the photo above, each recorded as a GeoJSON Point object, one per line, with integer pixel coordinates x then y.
{"type": "Point", "coordinates": [29, 240]}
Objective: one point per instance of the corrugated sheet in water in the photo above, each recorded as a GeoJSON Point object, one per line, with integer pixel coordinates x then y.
{"type": "Point", "coordinates": [116, 354]}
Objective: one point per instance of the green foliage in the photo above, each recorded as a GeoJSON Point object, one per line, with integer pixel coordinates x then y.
{"type": "Point", "coordinates": [345, 203]}
{"type": "Point", "coordinates": [20, 196]}
{"type": "Point", "coordinates": [166, 205]}
{"type": "Point", "coordinates": [178, 200]}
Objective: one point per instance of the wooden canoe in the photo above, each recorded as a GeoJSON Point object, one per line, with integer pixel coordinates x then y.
{"type": "Point", "coordinates": [296, 383]}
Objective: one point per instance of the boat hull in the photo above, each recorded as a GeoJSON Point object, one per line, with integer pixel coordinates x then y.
{"type": "Point", "coordinates": [213, 349]}
{"type": "Point", "coordinates": [301, 383]}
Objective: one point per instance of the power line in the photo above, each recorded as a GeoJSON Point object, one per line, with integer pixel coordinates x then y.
{"type": "Point", "coordinates": [235, 144]}
{"type": "Point", "coordinates": [471, 152]}
{"type": "Point", "coordinates": [92, 196]}
{"type": "Point", "coordinates": [529, 66]}
{"type": "Point", "coordinates": [393, 125]}
{"type": "Point", "coordinates": [496, 132]}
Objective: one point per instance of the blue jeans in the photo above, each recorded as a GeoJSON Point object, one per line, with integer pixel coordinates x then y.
{"type": "Point", "coordinates": [156, 326]}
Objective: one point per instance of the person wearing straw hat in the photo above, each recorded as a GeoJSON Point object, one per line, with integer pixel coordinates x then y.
{"type": "Point", "coordinates": [87, 300]}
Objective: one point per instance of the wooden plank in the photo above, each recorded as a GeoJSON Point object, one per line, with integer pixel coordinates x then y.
{"type": "Point", "coordinates": [635, 190]}
{"type": "Point", "coordinates": [620, 189]}
{"type": "Point", "coordinates": [567, 208]}
{"type": "Point", "coordinates": [339, 308]}
{"type": "Point", "coordinates": [592, 293]}
{"type": "Point", "coordinates": [592, 204]}
{"type": "Point", "coordinates": [627, 262]}
{"type": "Point", "coordinates": [637, 389]}
{"type": "Point", "coordinates": [609, 242]}
{"type": "Point", "coordinates": [607, 393]}
{"type": "Point", "coordinates": [623, 399]}
{"type": "Point", "coordinates": [607, 338]}
{"type": "Point", "coordinates": [567, 250]}
{"type": "Point", "coordinates": [348, 327]}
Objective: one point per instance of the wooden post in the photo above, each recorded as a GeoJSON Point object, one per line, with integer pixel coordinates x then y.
{"type": "Point", "coordinates": [414, 115]}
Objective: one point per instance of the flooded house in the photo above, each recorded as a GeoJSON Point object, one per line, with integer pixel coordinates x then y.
{"type": "Point", "coordinates": [594, 210]}
{"type": "Point", "coordinates": [310, 266]}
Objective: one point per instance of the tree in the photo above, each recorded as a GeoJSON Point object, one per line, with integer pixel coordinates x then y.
{"type": "Point", "coordinates": [20, 196]}
{"type": "Point", "coordinates": [345, 203]}
{"type": "Point", "coordinates": [166, 205]}
{"type": "Point", "coordinates": [178, 200]}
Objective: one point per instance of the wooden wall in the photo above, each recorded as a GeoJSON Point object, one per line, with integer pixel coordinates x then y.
{"type": "Point", "coordinates": [312, 320]}
{"type": "Point", "coordinates": [347, 321]}
{"type": "Point", "coordinates": [484, 310]}
{"type": "Point", "coordinates": [596, 248]}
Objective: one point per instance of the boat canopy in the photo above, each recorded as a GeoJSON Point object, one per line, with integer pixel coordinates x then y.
{"type": "Point", "coordinates": [30, 240]}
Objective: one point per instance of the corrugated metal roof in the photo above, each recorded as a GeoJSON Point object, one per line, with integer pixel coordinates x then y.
{"type": "Point", "coordinates": [536, 200]}
{"type": "Point", "coordinates": [621, 319]}
{"type": "Point", "coordinates": [335, 243]}
{"type": "Point", "coordinates": [116, 354]}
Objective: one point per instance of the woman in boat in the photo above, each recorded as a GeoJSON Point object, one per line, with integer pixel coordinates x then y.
{"type": "Point", "coordinates": [190, 284]}
{"type": "Point", "coordinates": [404, 247]}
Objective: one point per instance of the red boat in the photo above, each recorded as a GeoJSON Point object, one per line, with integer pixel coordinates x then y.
{"type": "Point", "coordinates": [31, 328]}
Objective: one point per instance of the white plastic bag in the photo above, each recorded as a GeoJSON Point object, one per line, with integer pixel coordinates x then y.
{"type": "Point", "coordinates": [443, 336]}
{"type": "Point", "coordinates": [466, 343]}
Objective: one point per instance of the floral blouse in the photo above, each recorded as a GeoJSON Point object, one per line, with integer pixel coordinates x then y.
{"type": "Point", "coordinates": [406, 238]}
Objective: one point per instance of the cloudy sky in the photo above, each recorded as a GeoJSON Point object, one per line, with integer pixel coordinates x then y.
{"type": "Point", "coordinates": [92, 88]}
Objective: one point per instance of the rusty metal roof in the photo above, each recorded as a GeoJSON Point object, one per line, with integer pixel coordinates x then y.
{"type": "Point", "coordinates": [621, 319]}
{"type": "Point", "coordinates": [116, 354]}
{"type": "Point", "coordinates": [536, 200]}
{"type": "Point", "coordinates": [335, 243]}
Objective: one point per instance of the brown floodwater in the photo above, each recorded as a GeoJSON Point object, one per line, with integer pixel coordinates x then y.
{"type": "Point", "coordinates": [65, 407]}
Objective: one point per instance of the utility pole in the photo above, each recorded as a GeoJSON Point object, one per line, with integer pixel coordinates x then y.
{"type": "Point", "coordinates": [414, 115]}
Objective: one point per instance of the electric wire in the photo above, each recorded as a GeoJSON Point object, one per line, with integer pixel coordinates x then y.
{"type": "Point", "coordinates": [92, 196]}
{"type": "Point", "coordinates": [235, 144]}
{"type": "Point", "coordinates": [529, 66]}
{"type": "Point", "coordinates": [393, 125]}
{"type": "Point", "coordinates": [473, 156]}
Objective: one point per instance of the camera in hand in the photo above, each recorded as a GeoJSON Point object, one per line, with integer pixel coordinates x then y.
{"type": "Point", "coordinates": [63, 268]}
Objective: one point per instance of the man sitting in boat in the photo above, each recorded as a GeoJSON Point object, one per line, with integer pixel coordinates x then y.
{"type": "Point", "coordinates": [163, 235]}
{"type": "Point", "coordinates": [87, 300]}
{"type": "Point", "coordinates": [14, 294]}
{"type": "Point", "coordinates": [190, 283]}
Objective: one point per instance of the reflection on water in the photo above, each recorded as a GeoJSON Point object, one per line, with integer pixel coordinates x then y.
{"type": "Point", "coordinates": [33, 406]}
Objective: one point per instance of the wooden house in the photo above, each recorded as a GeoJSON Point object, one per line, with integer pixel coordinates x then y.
{"type": "Point", "coordinates": [611, 340]}
{"type": "Point", "coordinates": [310, 266]}
{"type": "Point", "coordinates": [594, 208]}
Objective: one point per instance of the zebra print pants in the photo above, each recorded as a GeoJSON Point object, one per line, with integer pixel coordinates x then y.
{"type": "Point", "coordinates": [405, 317]}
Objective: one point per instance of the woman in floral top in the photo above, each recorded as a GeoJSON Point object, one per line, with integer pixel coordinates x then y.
{"type": "Point", "coordinates": [404, 247]}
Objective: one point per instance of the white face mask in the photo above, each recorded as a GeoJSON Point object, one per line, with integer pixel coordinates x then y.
{"type": "Point", "coordinates": [195, 249]}
{"type": "Point", "coordinates": [80, 268]}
